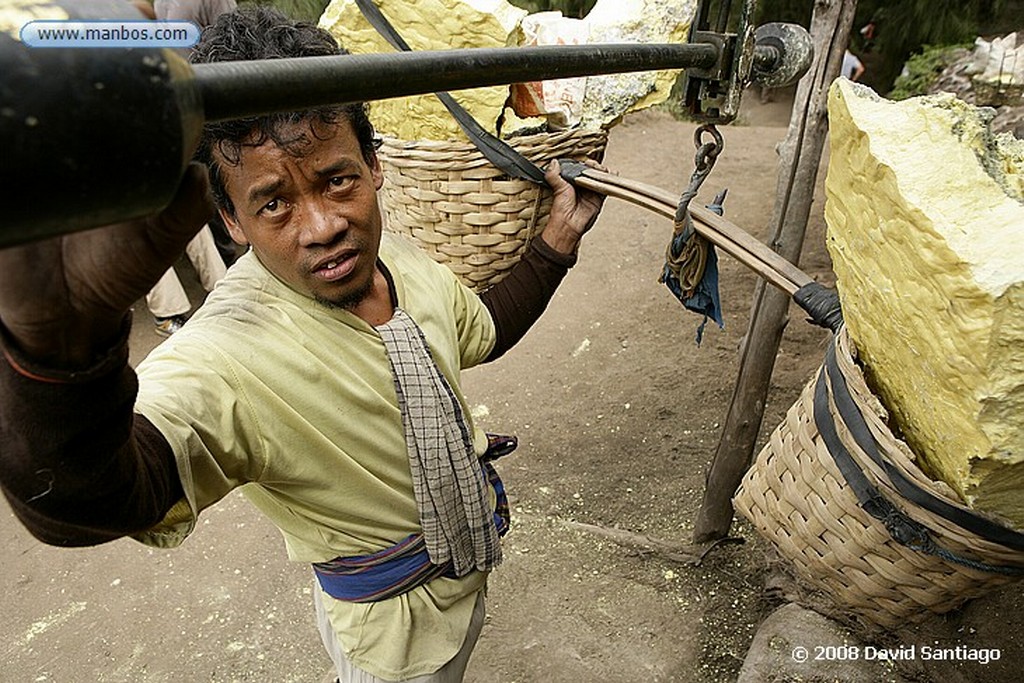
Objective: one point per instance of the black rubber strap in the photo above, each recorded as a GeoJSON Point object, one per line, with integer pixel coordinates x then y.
{"type": "Point", "coordinates": [822, 304]}
{"type": "Point", "coordinates": [901, 528]}
{"type": "Point", "coordinates": [494, 150]}
{"type": "Point", "coordinates": [855, 423]}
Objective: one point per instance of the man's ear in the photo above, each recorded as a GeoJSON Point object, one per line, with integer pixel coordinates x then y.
{"type": "Point", "coordinates": [377, 173]}
{"type": "Point", "coordinates": [234, 229]}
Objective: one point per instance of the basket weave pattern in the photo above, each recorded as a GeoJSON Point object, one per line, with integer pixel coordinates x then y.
{"type": "Point", "coordinates": [796, 497]}
{"type": "Point", "coordinates": [465, 212]}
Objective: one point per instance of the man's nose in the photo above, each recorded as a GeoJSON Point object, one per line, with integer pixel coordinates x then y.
{"type": "Point", "coordinates": [321, 225]}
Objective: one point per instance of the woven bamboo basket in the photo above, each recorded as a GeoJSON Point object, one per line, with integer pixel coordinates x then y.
{"type": "Point", "coordinates": [465, 212]}
{"type": "Point", "coordinates": [797, 498]}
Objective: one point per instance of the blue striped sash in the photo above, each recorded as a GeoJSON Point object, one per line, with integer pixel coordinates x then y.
{"type": "Point", "coordinates": [400, 568]}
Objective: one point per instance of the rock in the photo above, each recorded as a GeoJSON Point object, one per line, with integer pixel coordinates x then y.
{"type": "Point", "coordinates": [633, 21]}
{"type": "Point", "coordinates": [429, 25]}
{"type": "Point", "coordinates": [798, 644]}
{"type": "Point", "coordinates": [925, 214]}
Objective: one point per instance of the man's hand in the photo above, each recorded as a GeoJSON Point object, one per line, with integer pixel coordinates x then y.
{"type": "Point", "coordinates": [63, 300]}
{"type": "Point", "coordinates": [573, 212]}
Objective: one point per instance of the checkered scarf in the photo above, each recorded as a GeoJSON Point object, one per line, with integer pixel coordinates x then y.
{"type": "Point", "coordinates": [448, 481]}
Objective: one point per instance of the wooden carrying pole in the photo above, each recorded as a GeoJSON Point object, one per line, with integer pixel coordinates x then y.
{"type": "Point", "coordinates": [800, 156]}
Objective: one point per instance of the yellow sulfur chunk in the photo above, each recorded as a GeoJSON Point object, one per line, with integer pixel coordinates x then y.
{"type": "Point", "coordinates": [925, 214]}
{"type": "Point", "coordinates": [633, 21]}
{"type": "Point", "coordinates": [429, 25]}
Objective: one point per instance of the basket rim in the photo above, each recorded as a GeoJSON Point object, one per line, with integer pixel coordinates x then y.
{"type": "Point", "coordinates": [514, 140]}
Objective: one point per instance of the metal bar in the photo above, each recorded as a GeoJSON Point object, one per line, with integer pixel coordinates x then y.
{"type": "Point", "coordinates": [239, 89]}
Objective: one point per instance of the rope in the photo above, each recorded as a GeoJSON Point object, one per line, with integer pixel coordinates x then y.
{"type": "Point", "coordinates": [691, 265]}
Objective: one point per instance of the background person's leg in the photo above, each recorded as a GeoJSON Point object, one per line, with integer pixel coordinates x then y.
{"type": "Point", "coordinates": [202, 252]}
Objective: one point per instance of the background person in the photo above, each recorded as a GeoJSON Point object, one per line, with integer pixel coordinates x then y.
{"type": "Point", "coordinates": [202, 13]}
{"type": "Point", "coordinates": [852, 67]}
{"type": "Point", "coordinates": [168, 301]}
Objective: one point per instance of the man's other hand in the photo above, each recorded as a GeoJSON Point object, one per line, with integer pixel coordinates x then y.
{"type": "Point", "coordinates": [573, 211]}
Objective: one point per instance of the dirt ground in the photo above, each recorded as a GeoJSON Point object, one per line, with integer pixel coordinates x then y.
{"type": "Point", "coordinates": [618, 414]}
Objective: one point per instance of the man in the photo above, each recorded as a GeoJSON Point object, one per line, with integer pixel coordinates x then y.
{"type": "Point", "coordinates": [852, 67]}
{"type": "Point", "coordinates": [322, 374]}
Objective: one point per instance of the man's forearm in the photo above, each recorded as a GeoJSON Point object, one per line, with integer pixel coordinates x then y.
{"type": "Point", "coordinates": [518, 300]}
{"type": "Point", "coordinates": [76, 464]}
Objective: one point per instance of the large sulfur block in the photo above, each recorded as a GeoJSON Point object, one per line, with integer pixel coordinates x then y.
{"type": "Point", "coordinates": [429, 25]}
{"type": "Point", "coordinates": [633, 21]}
{"type": "Point", "coordinates": [925, 215]}
{"type": "Point", "coordinates": [595, 102]}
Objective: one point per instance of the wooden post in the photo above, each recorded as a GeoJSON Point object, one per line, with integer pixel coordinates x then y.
{"type": "Point", "coordinates": [800, 156]}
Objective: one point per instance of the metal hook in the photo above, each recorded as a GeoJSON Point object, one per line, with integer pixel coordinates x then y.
{"type": "Point", "coordinates": [707, 154]}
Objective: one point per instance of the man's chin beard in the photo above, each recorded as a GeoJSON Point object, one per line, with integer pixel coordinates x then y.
{"type": "Point", "coordinates": [348, 301]}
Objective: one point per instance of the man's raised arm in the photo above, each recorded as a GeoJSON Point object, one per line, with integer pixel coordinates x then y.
{"type": "Point", "coordinates": [76, 464]}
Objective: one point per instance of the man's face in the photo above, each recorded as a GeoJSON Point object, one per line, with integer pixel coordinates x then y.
{"type": "Point", "coordinates": [313, 220]}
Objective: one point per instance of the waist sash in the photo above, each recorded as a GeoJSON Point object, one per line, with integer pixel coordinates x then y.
{"type": "Point", "coordinates": [402, 567]}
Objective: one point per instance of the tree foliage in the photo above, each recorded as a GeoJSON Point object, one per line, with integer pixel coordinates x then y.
{"type": "Point", "coordinates": [922, 70]}
{"type": "Point", "coordinates": [902, 28]}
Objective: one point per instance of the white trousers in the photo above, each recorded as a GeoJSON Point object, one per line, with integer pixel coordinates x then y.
{"type": "Point", "coordinates": [452, 672]}
{"type": "Point", "coordinates": [168, 297]}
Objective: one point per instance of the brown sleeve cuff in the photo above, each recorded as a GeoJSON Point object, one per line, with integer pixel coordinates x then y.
{"type": "Point", "coordinates": [544, 250]}
{"type": "Point", "coordinates": [106, 362]}
{"type": "Point", "coordinates": [77, 466]}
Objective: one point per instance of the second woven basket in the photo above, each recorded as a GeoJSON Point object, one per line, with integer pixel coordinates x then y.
{"type": "Point", "coordinates": [465, 212]}
{"type": "Point", "coordinates": [796, 497]}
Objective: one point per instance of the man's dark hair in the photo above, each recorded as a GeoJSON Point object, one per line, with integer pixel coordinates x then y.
{"type": "Point", "coordinates": [260, 32]}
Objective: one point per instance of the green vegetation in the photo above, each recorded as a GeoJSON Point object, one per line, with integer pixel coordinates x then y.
{"type": "Point", "coordinates": [904, 27]}
{"type": "Point", "coordinates": [922, 69]}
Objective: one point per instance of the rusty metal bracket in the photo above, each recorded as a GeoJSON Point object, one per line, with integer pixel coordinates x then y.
{"type": "Point", "coordinates": [712, 95]}
{"type": "Point", "coordinates": [773, 55]}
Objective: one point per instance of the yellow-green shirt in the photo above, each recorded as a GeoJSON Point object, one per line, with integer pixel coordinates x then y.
{"type": "Point", "coordinates": [295, 402]}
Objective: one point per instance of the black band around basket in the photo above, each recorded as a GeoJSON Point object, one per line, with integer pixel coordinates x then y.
{"type": "Point", "coordinates": [901, 528]}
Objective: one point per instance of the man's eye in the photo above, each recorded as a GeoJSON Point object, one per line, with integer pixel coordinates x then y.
{"type": "Point", "coordinates": [340, 181]}
{"type": "Point", "coordinates": [274, 206]}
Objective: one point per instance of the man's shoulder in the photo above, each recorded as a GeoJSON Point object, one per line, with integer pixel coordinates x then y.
{"type": "Point", "coordinates": [421, 280]}
{"type": "Point", "coordinates": [407, 255]}
{"type": "Point", "coordinates": [394, 243]}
